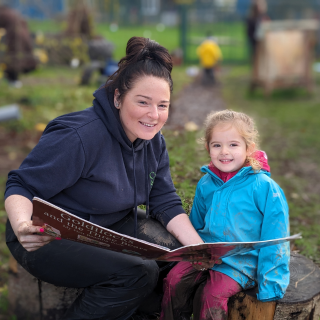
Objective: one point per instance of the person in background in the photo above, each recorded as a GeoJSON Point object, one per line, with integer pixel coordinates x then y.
{"type": "Point", "coordinates": [209, 54]}
{"type": "Point", "coordinates": [257, 14]}
{"type": "Point", "coordinates": [235, 201]}
{"type": "Point", "coordinates": [19, 56]}
{"type": "Point", "coordinates": [100, 164]}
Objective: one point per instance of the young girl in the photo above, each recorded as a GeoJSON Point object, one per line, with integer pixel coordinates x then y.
{"type": "Point", "coordinates": [236, 200]}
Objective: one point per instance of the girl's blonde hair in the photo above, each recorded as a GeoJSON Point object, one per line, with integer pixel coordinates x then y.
{"type": "Point", "coordinates": [245, 126]}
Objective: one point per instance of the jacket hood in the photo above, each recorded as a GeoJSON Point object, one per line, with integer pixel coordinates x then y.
{"type": "Point", "coordinates": [262, 157]}
{"type": "Point", "coordinates": [103, 105]}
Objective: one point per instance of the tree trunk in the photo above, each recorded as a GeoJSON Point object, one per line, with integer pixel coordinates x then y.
{"type": "Point", "coordinates": [301, 301]}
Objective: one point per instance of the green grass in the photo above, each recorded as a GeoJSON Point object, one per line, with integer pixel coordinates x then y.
{"type": "Point", "coordinates": [46, 26]}
{"type": "Point", "coordinates": [185, 163]}
{"type": "Point", "coordinates": [48, 93]}
{"type": "Point", "coordinates": [169, 37]}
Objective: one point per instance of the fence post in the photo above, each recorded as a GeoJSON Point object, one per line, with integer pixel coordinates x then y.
{"type": "Point", "coordinates": [183, 30]}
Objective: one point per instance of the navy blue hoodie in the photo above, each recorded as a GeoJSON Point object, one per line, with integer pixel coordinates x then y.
{"type": "Point", "coordinates": [85, 164]}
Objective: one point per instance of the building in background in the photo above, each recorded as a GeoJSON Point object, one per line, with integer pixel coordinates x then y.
{"type": "Point", "coordinates": [37, 9]}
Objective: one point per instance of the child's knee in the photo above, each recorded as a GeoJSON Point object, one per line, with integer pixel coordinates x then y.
{"type": "Point", "coordinates": [181, 275]}
{"type": "Point", "coordinates": [171, 280]}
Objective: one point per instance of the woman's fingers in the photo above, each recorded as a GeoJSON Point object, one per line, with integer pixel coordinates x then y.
{"type": "Point", "coordinates": [32, 246]}
{"type": "Point", "coordinates": [208, 265]}
{"type": "Point", "coordinates": [34, 242]}
{"type": "Point", "coordinates": [198, 265]}
{"type": "Point", "coordinates": [31, 237]}
{"type": "Point", "coordinates": [26, 227]}
{"type": "Point", "coordinates": [201, 266]}
{"type": "Point", "coordinates": [35, 238]}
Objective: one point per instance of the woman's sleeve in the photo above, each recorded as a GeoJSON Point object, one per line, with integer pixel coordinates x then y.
{"type": "Point", "coordinates": [198, 211]}
{"type": "Point", "coordinates": [55, 164]}
{"type": "Point", "coordinates": [164, 202]}
{"type": "Point", "coordinates": [273, 262]}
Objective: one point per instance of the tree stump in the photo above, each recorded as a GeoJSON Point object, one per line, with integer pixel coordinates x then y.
{"type": "Point", "coordinates": [301, 301]}
{"type": "Point", "coordinates": [31, 299]}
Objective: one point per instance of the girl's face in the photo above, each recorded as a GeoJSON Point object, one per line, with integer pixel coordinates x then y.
{"type": "Point", "coordinates": [145, 108]}
{"type": "Point", "coordinates": [227, 149]}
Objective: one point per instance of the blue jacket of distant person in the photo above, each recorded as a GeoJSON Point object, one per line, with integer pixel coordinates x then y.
{"type": "Point", "coordinates": [248, 207]}
{"type": "Point", "coordinates": [85, 164]}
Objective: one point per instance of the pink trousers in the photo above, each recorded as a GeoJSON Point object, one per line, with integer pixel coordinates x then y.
{"type": "Point", "coordinates": [204, 294]}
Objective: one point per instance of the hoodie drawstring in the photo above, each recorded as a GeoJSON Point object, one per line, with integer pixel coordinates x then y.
{"type": "Point", "coordinates": [146, 179]}
{"type": "Point", "coordinates": [135, 189]}
{"type": "Point", "coordinates": [135, 196]}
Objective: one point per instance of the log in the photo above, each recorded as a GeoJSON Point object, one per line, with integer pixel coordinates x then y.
{"type": "Point", "coordinates": [32, 299]}
{"type": "Point", "coordinates": [301, 301]}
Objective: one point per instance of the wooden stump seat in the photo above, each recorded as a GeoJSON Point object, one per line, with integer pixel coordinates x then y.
{"type": "Point", "coordinates": [30, 299]}
{"type": "Point", "coordinates": [301, 301]}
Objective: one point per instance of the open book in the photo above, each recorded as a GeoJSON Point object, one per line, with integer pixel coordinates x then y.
{"type": "Point", "coordinates": [60, 223]}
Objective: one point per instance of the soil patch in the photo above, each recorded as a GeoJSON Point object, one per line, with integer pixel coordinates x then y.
{"type": "Point", "coordinates": [194, 103]}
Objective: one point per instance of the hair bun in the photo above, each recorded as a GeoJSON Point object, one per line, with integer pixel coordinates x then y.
{"type": "Point", "coordinates": [144, 57]}
{"type": "Point", "coordinates": [139, 49]}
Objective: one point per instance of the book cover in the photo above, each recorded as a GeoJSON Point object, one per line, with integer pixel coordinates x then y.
{"type": "Point", "coordinates": [60, 223]}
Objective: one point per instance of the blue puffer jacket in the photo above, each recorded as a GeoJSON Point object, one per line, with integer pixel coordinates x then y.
{"type": "Point", "coordinates": [248, 207]}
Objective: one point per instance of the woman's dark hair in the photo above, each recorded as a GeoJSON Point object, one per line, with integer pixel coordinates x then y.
{"type": "Point", "coordinates": [144, 57]}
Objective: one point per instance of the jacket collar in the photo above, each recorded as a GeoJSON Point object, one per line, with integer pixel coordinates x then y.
{"type": "Point", "coordinates": [245, 171]}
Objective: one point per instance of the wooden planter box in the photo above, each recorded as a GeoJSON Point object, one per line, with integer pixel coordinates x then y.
{"type": "Point", "coordinates": [284, 54]}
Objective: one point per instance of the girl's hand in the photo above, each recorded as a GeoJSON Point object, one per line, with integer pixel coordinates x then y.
{"type": "Point", "coordinates": [29, 238]}
{"type": "Point", "coordinates": [202, 266]}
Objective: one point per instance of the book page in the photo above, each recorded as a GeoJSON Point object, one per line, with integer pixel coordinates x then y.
{"type": "Point", "coordinates": [214, 251]}
{"type": "Point", "coordinates": [60, 223]}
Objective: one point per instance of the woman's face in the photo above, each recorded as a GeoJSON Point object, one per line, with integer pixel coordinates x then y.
{"type": "Point", "coordinates": [145, 108]}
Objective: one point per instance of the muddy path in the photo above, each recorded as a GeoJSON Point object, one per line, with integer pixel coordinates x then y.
{"type": "Point", "coordinates": [193, 104]}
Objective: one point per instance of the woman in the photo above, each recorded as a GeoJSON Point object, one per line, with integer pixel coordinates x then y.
{"type": "Point", "coordinates": [99, 164]}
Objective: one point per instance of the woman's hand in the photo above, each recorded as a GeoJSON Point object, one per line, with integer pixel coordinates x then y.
{"type": "Point", "coordinates": [30, 236]}
{"type": "Point", "coordinates": [202, 266]}
{"type": "Point", "coordinates": [19, 210]}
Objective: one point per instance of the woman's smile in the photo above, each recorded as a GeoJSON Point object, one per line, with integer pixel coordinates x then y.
{"type": "Point", "coordinates": [147, 124]}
